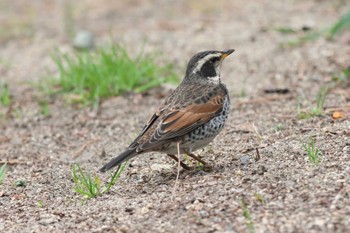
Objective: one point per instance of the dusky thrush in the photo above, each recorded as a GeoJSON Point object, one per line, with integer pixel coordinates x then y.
{"type": "Point", "coordinates": [191, 117]}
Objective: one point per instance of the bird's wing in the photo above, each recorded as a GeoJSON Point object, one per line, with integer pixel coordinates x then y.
{"type": "Point", "coordinates": [167, 123]}
{"type": "Point", "coordinates": [147, 126]}
{"type": "Point", "coordinates": [179, 122]}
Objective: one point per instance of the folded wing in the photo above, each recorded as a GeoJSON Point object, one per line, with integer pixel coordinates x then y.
{"type": "Point", "coordinates": [168, 124]}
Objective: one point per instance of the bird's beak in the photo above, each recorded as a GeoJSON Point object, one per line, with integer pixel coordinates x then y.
{"type": "Point", "coordinates": [226, 53]}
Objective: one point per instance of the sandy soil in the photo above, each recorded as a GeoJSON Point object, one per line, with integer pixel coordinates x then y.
{"type": "Point", "coordinates": [282, 190]}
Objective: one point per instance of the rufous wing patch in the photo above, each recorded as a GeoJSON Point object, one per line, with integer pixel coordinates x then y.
{"type": "Point", "coordinates": [192, 114]}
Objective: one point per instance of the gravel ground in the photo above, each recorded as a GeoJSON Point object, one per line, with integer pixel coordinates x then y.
{"type": "Point", "coordinates": [280, 188]}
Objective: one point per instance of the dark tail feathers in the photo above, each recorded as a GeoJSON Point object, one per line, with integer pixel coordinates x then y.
{"type": "Point", "coordinates": [128, 154]}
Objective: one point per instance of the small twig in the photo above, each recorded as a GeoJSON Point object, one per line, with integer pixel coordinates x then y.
{"type": "Point", "coordinates": [239, 131]}
{"type": "Point", "coordinates": [257, 157]}
{"type": "Point", "coordinates": [277, 91]}
{"type": "Point", "coordinates": [261, 146]}
{"type": "Point", "coordinates": [178, 171]}
{"type": "Point", "coordinates": [83, 147]}
{"type": "Point", "coordinates": [13, 161]}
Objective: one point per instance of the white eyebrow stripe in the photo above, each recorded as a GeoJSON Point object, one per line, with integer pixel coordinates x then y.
{"type": "Point", "coordinates": [204, 60]}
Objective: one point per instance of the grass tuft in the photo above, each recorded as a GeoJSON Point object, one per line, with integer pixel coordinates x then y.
{"type": "Point", "coordinates": [259, 198]}
{"type": "Point", "coordinates": [342, 78]}
{"type": "Point", "coordinates": [90, 186]}
{"type": "Point", "coordinates": [44, 108]}
{"type": "Point", "coordinates": [248, 217]}
{"type": "Point", "coordinates": [316, 110]}
{"type": "Point", "coordinates": [40, 204]}
{"type": "Point", "coordinates": [279, 127]}
{"type": "Point", "coordinates": [312, 151]}
{"type": "Point", "coordinates": [89, 77]}
{"type": "Point", "coordinates": [2, 173]}
{"type": "Point", "coordinates": [5, 98]}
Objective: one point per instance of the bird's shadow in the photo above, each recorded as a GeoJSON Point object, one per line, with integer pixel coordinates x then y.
{"type": "Point", "coordinates": [166, 176]}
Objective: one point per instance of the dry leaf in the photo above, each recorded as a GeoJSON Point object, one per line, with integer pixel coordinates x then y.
{"type": "Point", "coordinates": [337, 115]}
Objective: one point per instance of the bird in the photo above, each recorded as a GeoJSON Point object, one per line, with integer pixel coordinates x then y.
{"type": "Point", "coordinates": [190, 117]}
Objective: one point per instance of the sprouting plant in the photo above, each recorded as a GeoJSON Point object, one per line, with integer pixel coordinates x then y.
{"type": "Point", "coordinates": [200, 166]}
{"type": "Point", "coordinates": [5, 98]}
{"type": "Point", "coordinates": [316, 110]}
{"type": "Point", "coordinates": [88, 185]}
{"type": "Point", "coordinates": [312, 151]}
{"type": "Point", "coordinates": [44, 108]}
{"type": "Point", "coordinates": [342, 78]}
{"type": "Point", "coordinates": [40, 204]}
{"type": "Point", "coordinates": [279, 127]}
{"type": "Point", "coordinates": [2, 173]}
{"type": "Point", "coordinates": [248, 217]}
{"type": "Point", "coordinates": [259, 198]}
{"type": "Point", "coordinates": [320, 101]}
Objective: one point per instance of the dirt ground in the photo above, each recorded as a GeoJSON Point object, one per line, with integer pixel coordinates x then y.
{"type": "Point", "coordinates": [283, 191]}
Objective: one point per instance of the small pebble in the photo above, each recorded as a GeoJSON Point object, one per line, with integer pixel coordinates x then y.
{"type": "Point", "coordinates": [47, 221]}
{"type": "Point", "coordinates": [160, 167]}
{"type": "Point", "coordinates": [261, 170]}
{"type": "Point", "coordinates": [124, 228]}
{"type": "Point", "coordinates": [245, 160]}
{"type": "Point", "coordinates": [129, 210]}
{"type": "Point", "coordinates": [306, 28]}
{"type": "Point", "coordinates": [204, 214]}
{"type": "Point", "coordinates": [83, 40]}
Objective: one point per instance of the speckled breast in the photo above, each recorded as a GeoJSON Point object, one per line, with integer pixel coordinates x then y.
{"type": "Point", "coordinates": [204, 134]}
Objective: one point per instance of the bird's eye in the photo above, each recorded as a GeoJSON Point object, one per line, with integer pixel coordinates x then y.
{"type": "Point", "coordinates": [215, 59]}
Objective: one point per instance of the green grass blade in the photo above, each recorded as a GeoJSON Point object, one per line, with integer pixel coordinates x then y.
{"type": "Point", "coordinates": [342, 24]}
{"type": "Point", "coordinates": [2, 173]}
{"type": "Point", "coordinates": [115, 176]}
{"type": "Point", "coordinates": [90, 186]}
{"type": "Point", "coordinates": [5, 98]}
{"type": "Point", "coordinates": [312, 151]}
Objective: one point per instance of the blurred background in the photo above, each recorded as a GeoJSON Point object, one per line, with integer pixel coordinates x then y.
{"type": "Point", "coordinates": [31, 30]}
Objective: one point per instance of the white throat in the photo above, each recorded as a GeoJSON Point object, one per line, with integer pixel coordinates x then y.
{"type": "Point", "coordinates": [215, 79]}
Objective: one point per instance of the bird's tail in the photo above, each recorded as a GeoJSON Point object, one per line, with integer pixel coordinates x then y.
{"type": "Point", "coordinates": [128, 154]}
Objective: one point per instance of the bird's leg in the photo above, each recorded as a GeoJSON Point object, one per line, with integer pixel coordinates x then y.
{"type": "Point", "coordinates": [195, 157]}
{"type": "Point", "coordinates": [181, 163]}
{"type": "Point", "coordinates": [207, 167]}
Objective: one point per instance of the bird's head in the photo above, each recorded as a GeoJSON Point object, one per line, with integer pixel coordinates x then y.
{"type": "Point", "coordinates": [206, 65]}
